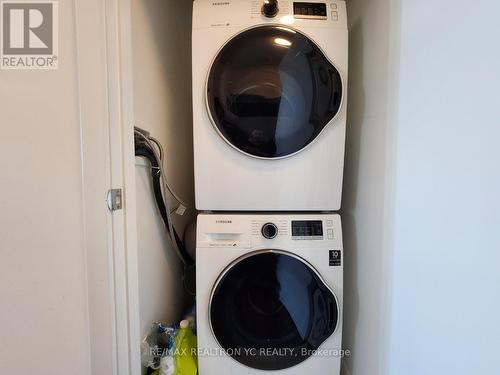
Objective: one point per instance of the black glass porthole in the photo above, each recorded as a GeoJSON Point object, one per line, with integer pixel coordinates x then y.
{"type": "Point", "coordinates": [271, 91]}
{"type": "Point", "coordinates": [271, 310]}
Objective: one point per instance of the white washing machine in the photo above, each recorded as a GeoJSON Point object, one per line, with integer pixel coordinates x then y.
{"type": "Point", "coordinates": [269, 104]}
{"type": "Point", "coordinates": [269, 294]}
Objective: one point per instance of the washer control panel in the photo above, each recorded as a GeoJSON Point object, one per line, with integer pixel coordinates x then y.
{"type": "Point", "coordinates": [276, 231]}
{"type": "Point", "coordinates": [307, 229]}
{"type": "Point", "coordinates": [299, 229]}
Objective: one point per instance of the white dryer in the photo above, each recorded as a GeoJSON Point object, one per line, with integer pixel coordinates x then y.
{"type": "Point", "coordinates": [269, 104]}
{"type": "Point", "coordinates": [269, 294]}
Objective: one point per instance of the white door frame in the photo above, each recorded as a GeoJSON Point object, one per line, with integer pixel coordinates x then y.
{"type": "Point", "coordinates": [103, 46]}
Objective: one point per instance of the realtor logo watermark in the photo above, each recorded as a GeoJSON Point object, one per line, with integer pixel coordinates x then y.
{"type": "Point", "coordinates": [29, 34]}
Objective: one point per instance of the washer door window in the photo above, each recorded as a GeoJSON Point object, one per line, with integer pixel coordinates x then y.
{"type": "Point", "coordinates": [271, 310]}
{"type": "Point", "coordinates": [271, 91]}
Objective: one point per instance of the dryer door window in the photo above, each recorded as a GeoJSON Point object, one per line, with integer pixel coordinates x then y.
{"type": "Point", "coordinates": [270, 310]}
{"type": "Point", "coordinates": [271, 91]}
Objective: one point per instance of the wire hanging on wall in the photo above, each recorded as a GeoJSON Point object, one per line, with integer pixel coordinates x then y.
{"type": "Point", "coordinates": [151, 149]}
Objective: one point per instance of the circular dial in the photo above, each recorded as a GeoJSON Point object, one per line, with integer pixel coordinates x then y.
{"type": "Point", "coordinates": [270, 8]}
{"type": "Point", "coordinates": [269, 230]}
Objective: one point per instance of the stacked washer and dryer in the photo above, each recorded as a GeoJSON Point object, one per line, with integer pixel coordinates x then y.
{"type": "Point", "coordinates": [269, 111]}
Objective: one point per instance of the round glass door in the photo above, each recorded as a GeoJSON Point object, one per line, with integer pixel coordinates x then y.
{"type": "Point", "coordinates": [271, 91]}
{"type": "Point", "coordinates": [271, 309]}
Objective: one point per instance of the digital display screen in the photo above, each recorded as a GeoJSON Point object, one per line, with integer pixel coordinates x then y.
{"type": "Point", "coordinates": [309, 10]}
{"type": "Point", "coordinates": [307, 228]}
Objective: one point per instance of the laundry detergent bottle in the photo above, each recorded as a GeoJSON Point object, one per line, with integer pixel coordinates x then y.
{"type": "Point", "coordinates": [185, 357]}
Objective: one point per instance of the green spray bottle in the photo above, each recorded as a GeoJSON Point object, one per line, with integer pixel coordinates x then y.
{"type": "Point", "coordinates": [185, 353]}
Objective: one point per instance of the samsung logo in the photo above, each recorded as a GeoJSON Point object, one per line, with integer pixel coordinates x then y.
{"type": "Point", "coordinates": [223, 221]}
{"type": "Point", "coordinates": [221, 3]}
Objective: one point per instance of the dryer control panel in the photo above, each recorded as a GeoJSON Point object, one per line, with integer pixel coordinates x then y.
{"type": "Point", "coordinates": [248, 13]}
{"type": "Point", "coordinates": [312, 11]}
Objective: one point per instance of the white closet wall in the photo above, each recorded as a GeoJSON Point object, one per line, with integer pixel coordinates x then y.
{"type": "Point", "coordinates": [367, 197]}
{"type": "Point", "coordinates": [421, 197]}
{"type": "Point", "coordinates": [44, 252]}
{"type": "Point", "coordinates": [446, 278]}
{"type": "Point", "coordinates": [161, 32]}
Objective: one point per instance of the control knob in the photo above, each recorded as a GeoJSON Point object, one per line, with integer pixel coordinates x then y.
{"type": "Point", "coordinates": [270, 8]}
{"type": "Point", "coordinates": [269, 231]}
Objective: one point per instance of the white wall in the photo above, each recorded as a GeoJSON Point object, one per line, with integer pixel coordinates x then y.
{"type": "Point", "coordinates": [445, 305]}
{"type": "Point", "coordinates": [367, 187]}
{"type": "Point", "coordinates": [421, 198]}
{"type": "Point", "coordinates": [44, 326]}
{"type": "Point", "coordinates": [162, 105]}
{"type": "Point", "coordinates": [56, 312]}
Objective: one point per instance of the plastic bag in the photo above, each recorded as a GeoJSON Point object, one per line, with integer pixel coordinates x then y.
{"type": "Point", "coordinates": [157, 344]}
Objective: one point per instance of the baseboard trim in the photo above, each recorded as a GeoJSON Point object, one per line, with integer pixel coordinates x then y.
{"type": "Point", "coordinates": [344, 370]}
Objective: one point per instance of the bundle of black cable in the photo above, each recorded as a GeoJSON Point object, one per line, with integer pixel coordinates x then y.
{"type": "Point", "coordinates": [144, 149]}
